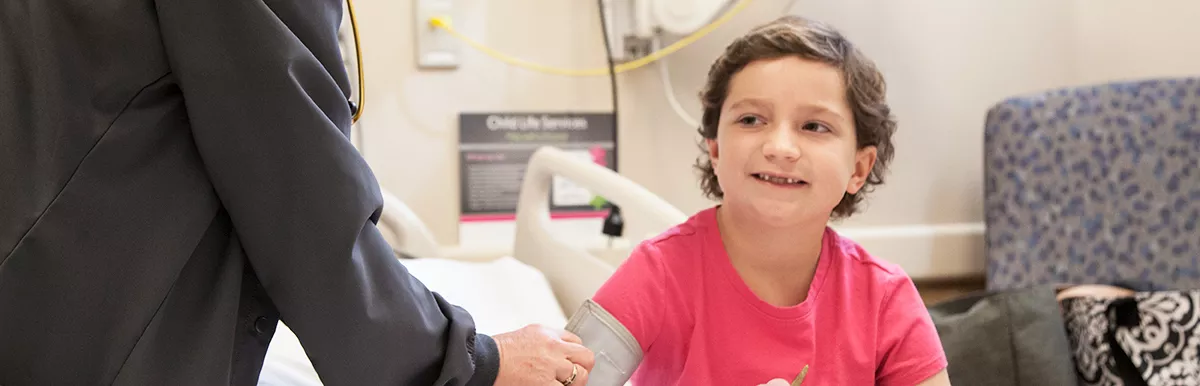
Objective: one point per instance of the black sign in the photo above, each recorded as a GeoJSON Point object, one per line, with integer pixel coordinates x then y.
{"type": "Point", "coordinates": [494, 149]}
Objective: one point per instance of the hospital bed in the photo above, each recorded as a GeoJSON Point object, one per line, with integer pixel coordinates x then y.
{"type": "Point", "coordinates": [543, 280]}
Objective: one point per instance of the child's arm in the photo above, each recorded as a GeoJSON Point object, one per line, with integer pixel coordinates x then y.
{"type": "Point", "coordinates": [635, 294]}
{"type": "Point", "coordinates": [910, 352]}
{"type": "Point", "coordinates": [622, 319]}
{"type": "Point", "coordinates": [942, 378]}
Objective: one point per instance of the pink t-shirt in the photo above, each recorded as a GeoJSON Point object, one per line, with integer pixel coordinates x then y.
{"type": "Point", "coordinates": [699, 324]}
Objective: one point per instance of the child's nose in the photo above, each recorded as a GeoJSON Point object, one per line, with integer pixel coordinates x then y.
{"type": "Point", "coordinates": [781, 145]}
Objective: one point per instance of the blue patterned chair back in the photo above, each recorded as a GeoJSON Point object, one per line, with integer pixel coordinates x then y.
{"type": "Point", "coordinates": [1095, 184]}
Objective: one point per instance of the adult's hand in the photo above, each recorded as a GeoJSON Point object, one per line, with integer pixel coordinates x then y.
{"type": "Point", "coordinates": [542, 356]}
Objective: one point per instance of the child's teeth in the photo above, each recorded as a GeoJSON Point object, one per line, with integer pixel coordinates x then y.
{"type": "Point", "coordinates": [778, 180]}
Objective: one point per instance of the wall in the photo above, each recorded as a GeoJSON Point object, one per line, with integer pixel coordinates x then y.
{"type": "Point", "coordinates": [947, 61]}
{"type": "Point", "coordinates": [1125, 39]}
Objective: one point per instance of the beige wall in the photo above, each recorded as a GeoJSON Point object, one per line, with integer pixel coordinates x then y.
{"type": "Point", "coordinates": [947, 61]}
{"type": "Point", "coordinates": [1126, 39]}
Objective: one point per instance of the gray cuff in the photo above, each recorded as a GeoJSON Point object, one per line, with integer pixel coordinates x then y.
{"type": "Point", "coordinates": [617, 352]}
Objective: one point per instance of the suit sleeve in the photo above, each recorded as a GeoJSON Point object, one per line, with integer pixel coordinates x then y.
{"type": "Point", "coordinates": [265, 91]}
{"type": "Point", "coordinates": [910, 350]}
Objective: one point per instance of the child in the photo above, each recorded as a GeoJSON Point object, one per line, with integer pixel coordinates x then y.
{"type": "Point", "coordinates": [758, 288]}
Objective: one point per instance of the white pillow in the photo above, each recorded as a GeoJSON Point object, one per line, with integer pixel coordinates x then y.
{"type": "Point", "coordinates": [501, 295]}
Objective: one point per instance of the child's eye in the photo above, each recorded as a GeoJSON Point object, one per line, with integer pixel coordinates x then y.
{"type": "Point", "coordinates": [749, 120]}
{"type": "Point", "coordinates": [816, 126]}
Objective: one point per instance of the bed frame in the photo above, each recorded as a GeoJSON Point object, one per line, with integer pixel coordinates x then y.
{"type": "Point", "coordinates": [574, 273]}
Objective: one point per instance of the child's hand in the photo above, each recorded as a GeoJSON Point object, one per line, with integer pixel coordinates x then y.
{"type": "Point", "coordinates": [776, 382]}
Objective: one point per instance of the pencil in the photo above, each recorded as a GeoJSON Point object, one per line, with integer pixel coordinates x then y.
{"type": "Point", "coordinates": [800, 378]}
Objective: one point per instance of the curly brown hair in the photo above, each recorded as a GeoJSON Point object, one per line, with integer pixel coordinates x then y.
{"type": "Point", "coordinates": [866, 92]}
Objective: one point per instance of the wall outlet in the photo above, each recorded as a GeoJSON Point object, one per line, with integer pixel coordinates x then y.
{"type": "Point", "coordinates": [436, 48]}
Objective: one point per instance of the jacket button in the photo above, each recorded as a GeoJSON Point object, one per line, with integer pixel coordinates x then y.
{"type": "Point", "coordinates": [262, 325]}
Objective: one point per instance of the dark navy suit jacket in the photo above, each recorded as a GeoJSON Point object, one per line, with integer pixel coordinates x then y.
{"type": "Point", "coordinates": [175, 177]}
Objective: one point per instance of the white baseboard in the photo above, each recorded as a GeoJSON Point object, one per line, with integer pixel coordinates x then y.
{"type": "Point", "coordinates": [934, 251]}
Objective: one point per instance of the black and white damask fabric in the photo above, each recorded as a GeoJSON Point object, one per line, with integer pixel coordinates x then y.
{"type": "Point", "coordinates": [1160, 339]}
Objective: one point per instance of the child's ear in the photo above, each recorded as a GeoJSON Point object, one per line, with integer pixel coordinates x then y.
{"type": "Point", "coordinates": [864, 161]}
{"type": "Point", "coordinates": [713, 151]}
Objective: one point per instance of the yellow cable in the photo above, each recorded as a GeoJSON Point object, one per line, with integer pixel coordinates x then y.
{"type": "Point", "coordinates": [362, 90]}
{"type": "Point", "coordinates": [443, 23]}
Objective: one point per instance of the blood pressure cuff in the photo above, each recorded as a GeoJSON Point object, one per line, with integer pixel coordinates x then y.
{"type": "Point", "coordinates": [617, 352]}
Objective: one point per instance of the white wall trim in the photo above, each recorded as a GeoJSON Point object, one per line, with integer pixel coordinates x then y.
{"type": "Point", "coordinates": [925, 251]}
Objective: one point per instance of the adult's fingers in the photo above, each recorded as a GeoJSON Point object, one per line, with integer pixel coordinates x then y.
{"type": "Point", "coordinates": [582, 378]}
{"type": "Point", "coordinates": [570, 337]}
{"type": "Point", "coordinates": [564, 372]}
{"type": "Point", "coordinates": [580, 355]}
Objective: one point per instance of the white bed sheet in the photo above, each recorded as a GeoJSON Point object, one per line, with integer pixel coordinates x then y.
{"type": "Point", "coordinates": [501, 295]}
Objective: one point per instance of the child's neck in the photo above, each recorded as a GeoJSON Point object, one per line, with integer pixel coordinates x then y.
{"type": "Point", "coordinates": [778, 264]}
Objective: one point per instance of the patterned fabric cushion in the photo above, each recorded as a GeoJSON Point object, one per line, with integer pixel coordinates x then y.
{"type": "Point", "coordinates": [1095, 184]}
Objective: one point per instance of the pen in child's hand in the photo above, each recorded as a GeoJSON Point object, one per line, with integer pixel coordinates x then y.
{"type": "Point", "coordinates": [800, 378]}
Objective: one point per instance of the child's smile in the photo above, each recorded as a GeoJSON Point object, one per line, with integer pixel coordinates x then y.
{"type": "Point", "coordinates": [780, 180]}
{"type": "Point", "coordinates": [786, 147]}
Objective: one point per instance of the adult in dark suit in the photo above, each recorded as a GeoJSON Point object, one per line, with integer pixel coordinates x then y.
{"type": "Point", "coordinates": [176, 176]}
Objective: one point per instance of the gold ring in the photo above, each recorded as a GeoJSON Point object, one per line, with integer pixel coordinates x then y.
{"type": "Point", "coordinates": [574, 373]}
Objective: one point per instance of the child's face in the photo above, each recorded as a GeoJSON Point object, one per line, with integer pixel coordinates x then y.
{"type": "Point", "coordinates": [787, 121]}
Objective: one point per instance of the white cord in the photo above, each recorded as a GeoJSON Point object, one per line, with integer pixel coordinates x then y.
{"type": "Point", "coordinates": [669, 90]}
{"type": "Point", "coordinates": [665, 74]}
{"type": "Point", "coordinates": [791, 4]}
